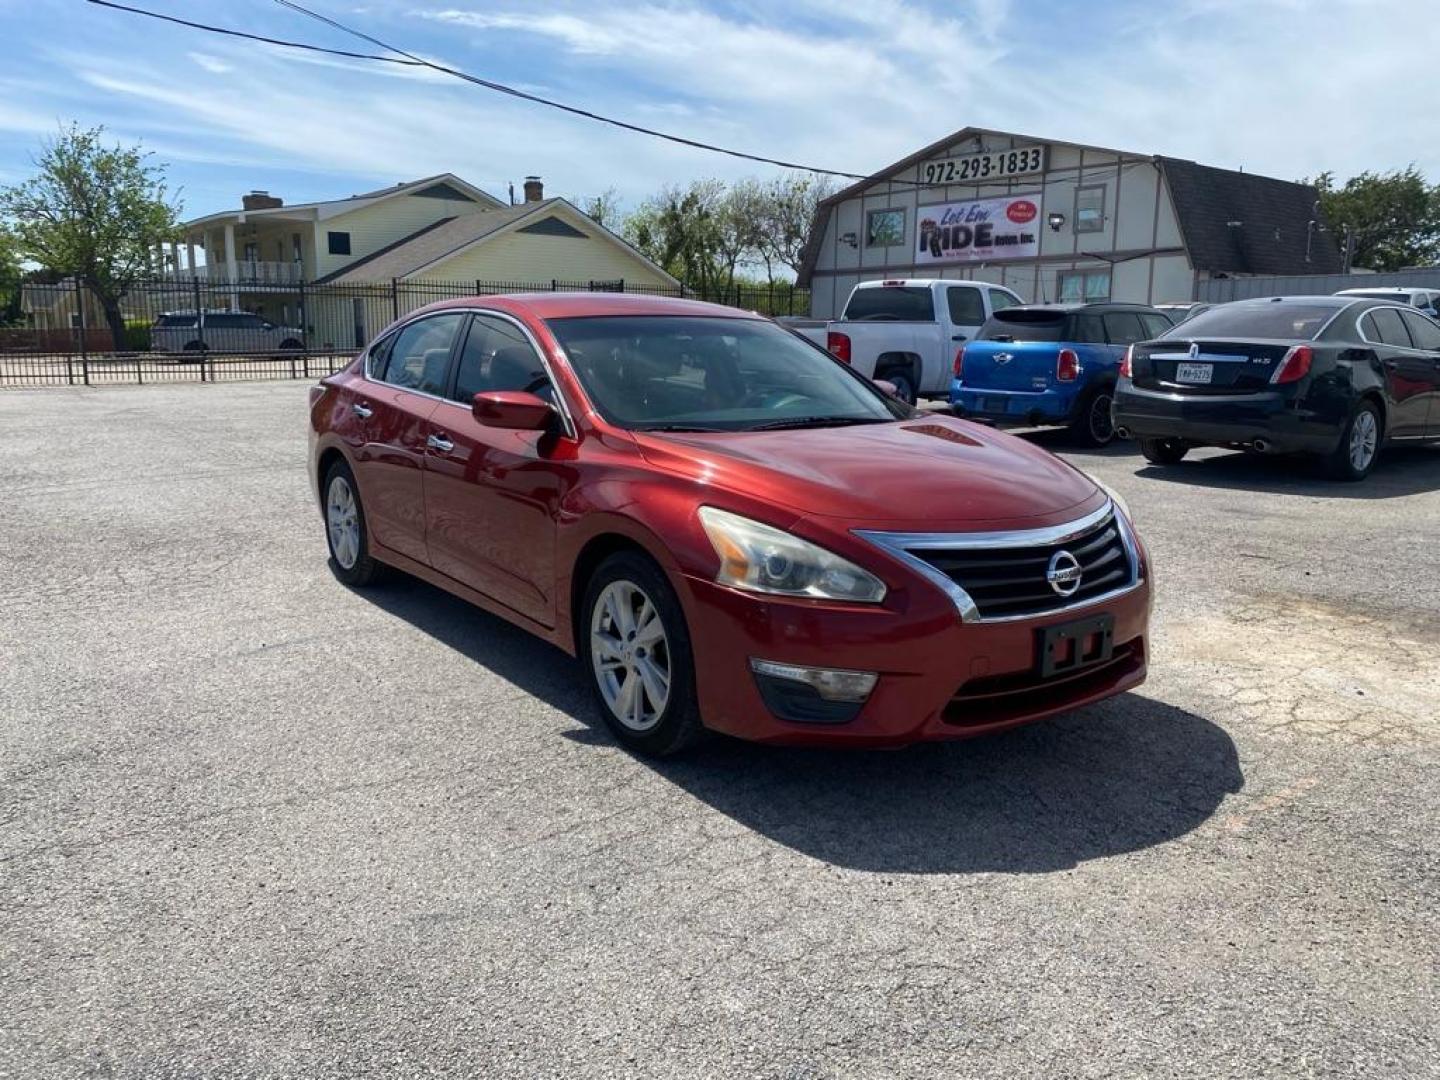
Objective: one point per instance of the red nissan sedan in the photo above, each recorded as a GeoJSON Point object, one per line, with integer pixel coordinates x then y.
{"type": "Point", "coordinates": [729, 527]}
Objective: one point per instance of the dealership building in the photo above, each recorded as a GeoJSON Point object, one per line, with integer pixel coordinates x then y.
{"type": "Point", "coordinates": [1060, 222]}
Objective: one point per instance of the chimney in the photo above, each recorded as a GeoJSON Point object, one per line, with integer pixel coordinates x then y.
{"type": "Point", "coordinates": [261, 200]}
{"type": "Point", "coordinates": [534, 189]}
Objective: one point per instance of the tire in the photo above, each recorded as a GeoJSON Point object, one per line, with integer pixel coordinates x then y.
{"type": "Point", "coordinates": [346, 533]}
{"type": "Point", "coordinates": [1164, 451]}
{"type": "Point", "coordinates": [659, 716]}
{"type": "Point", "coordinates": [904, 384]}
{"type": "Point", "coordinates": [1359, 446]}
{"type": "Point", "coordinates": [1093, 425]}
{"type": "Point", "coordinates": [290, 345]}
{"type": "Point", "coordinates": [195, 352]}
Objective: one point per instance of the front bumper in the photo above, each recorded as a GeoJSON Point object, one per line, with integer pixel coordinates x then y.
{"type": "Point", "coordinates": [939, 678]}
{"type": "Point", "coordinates": [1282, 420]}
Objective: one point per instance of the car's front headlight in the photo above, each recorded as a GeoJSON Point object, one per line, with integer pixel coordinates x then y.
{"type": "Point", "coordinates": [769, 560]}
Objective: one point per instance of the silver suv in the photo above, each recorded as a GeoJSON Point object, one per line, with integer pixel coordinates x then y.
{"type": "Point", "coordinates": [222, 332]}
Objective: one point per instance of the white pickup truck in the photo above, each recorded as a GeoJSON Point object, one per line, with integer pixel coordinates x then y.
{"type": "Point", "coordinates": [907, 331]}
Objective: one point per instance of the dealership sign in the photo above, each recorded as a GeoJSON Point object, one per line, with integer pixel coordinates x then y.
{"type": "Point", "coordinates": [979, 230]}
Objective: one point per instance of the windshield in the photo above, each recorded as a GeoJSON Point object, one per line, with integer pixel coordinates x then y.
{"type": "Point", "coordinates": [667, 372]}
{"type": "Point", "coordinates": [897, 303]}
{"type": "Point", "coordinates": [1270, 319]}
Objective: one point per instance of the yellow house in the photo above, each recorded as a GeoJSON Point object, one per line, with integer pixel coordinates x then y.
{"type": "Point", "coordinates": [346, 267]}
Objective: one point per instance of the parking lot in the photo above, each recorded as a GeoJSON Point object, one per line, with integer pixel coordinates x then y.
{"type": "Point", "coordinates": [254, 824]}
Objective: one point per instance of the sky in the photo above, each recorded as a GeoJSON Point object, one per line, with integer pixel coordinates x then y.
{"type": "Point", "coordinates": [1286, 88]}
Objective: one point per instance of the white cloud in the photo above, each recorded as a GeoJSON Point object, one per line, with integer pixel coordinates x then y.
{"type": "Point", "coordinates": [212, 64]}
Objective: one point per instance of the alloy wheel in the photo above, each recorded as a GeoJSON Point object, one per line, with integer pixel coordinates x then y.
{"type": "Point", "coordinates": [1364, 438]}
{"type": "Point", "coordinates": [1102, 425]}
{"type": "Point", "coordinates": [631, 655]}
{"type": "Point", "coordinates": [343, 521]}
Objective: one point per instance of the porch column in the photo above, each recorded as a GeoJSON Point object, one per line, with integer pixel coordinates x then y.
{"type": "Point", "coordinates": [175, 258]}
{"type": "Point", "coordinates": [190, 255]}
{"type": "Point", "coordinates": [231, 270]}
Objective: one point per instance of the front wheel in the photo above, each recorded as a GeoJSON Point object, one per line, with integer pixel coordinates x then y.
{"type": "Point", "coordinates": [1354, 456]}
{"type": "Point", "coordinates": [1163, 451]}
{"type": "Point", "coordinates": [636, 649]}
{"type": "Point", "coordinates": [1093, 424]}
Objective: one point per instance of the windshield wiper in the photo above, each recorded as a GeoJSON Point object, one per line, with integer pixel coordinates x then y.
{"type": "Point", "coordinates": [818, 421]}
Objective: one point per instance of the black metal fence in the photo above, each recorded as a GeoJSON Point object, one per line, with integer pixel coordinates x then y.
{"type": "Point", "coordinates": [201, 330]}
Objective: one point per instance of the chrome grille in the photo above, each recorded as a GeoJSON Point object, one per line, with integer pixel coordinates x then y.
{"type": "Point", "coordinates": [1004, 575]}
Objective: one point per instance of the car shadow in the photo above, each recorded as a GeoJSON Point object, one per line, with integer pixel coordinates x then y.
{"type": "Point", "coordinates": [1400, 471]}
{"type": "Point", "coordinates": [1112, 778]}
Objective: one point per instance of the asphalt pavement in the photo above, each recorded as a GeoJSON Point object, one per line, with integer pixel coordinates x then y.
{"type": "Point", "coordinates": [254, 824]}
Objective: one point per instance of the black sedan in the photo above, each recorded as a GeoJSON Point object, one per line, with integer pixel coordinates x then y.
{"type": "Point", "coordinates": [1334, 376]}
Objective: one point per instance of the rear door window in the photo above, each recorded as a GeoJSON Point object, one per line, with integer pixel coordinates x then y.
{"type": "Point", "coordinates": [420, 357]}
{"type": "Point", "coordinates": [1123, 327]}
{"type": "Point", "coordinates": [1424, 332]}
{"type": "Point", "coordinates": [897, 303]}
{"type": "Point", "coordinates": [966, 306]}
{"type": "Point", "coordinates": [1390, 327]}
{"type": "Point", "coordinates": [1000, 300]}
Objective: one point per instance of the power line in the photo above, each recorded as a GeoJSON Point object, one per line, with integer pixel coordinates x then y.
{"type": "Point", "coordinates": [411, 60]}
{"type": "Point", "coordinates": [252, 37]}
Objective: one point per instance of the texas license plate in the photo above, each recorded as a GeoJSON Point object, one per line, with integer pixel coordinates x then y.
{"type": "Point", "coordinates": [1074, 645]}
{"type": "Point", "coordinates": [1194, 373]}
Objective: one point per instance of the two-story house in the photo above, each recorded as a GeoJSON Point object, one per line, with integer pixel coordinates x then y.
{"type": "Point", "coordinates": [329, 265]}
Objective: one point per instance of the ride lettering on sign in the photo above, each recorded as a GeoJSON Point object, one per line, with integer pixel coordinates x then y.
{"type": "Point", "coordinates": [978, 229]}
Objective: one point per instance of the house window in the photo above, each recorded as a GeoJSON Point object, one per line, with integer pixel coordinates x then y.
{"type": "Point", "coordinates": [339, 243]}
{"type": "Point", "coordinates": [1090, 208]}
{"type": "Point", "coordinates": [1084, 286]}
{"type": "Point", "coordinates": [885, 228]}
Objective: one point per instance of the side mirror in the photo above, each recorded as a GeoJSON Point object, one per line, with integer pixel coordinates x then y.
{"type": "Point", "coordinates": [517, 410]}
{"type": "Point", "coordinates": [888, 387]}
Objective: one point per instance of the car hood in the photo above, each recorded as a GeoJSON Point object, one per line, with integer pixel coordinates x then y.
{"type": "Point", "coordinates": [934, 473]}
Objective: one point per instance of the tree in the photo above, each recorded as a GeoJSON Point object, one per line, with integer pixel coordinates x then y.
{"type": "Point", "coordinates": [790, 203]}
{"type": "Point", "coordinates": [1393, 220]}
{"type": "Point", "coordinates": [100, 214]}
{"type": "Point", "coordinates": [604, 208]}
{"type": "Point", "coordinates": [9, 277]}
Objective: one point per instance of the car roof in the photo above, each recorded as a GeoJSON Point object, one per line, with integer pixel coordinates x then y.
{"type": "Point", "coordinates": [1408, 290]}
{"type": "Point", "coordinates": [574, 305]}
{"type": "Point", "coordinates": [1109, 305]}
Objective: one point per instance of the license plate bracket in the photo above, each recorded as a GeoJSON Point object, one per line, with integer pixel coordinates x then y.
{"type": "Point", "coordinates": [1074, 645]}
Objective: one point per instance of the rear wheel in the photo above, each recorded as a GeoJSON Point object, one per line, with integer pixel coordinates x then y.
{"type": "Point", "coordinates": [1354, 456]}
{"type": "Point", "coordinates": [1164, 451]}
{"type": "Point", "coordinates": [636, 649]}
{"type": "Point", "coordinates": [1093, 424]}
{"type": "Point", "coordinates": [195, 352]}
{"type": "Point", "coordinates": [345, 529]}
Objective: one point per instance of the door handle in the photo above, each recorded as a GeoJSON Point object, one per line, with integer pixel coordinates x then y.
{"type": "Point", "coordinates": [441, 443]}
{"type": "Point", "coordinates": [363, 412]}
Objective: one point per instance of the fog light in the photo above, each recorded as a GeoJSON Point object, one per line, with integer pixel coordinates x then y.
{"type": "Point", "coordinates": [831, 684]}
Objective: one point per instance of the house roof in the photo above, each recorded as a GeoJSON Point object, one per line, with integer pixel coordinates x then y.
{"type": "Point", "coordinates": [448, 237]}
{"type": "Point", "coordinates": [330, 207]}
{"type": "Point", "coordinates": [1276, 214]}
{"type": "Point", "coordinates": [1273, 234]}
